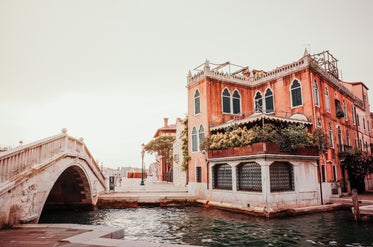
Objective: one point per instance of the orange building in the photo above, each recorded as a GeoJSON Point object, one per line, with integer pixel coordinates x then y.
{"type": "Point", "coordinates": [307, 91]}
{"type": "Point", "coordinates": [166, 169]}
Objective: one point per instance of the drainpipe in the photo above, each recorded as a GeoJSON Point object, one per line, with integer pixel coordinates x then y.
{"type": "Point", "coordinates": [320, 181]}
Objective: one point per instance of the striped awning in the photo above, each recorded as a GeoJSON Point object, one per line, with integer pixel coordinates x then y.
{"type": "Point", "coordinates": [257, 117]}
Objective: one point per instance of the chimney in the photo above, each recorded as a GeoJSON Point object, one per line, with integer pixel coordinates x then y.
{"type": "Point", "coordinates": [165, 122]}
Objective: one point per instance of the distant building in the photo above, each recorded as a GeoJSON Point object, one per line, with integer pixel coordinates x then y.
{"type": "Point", "coordinates": [166, 169]}
{"type": "Point", "coordinates": [260, 178]}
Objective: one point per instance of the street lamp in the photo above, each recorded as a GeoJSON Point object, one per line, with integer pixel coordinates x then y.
{"type": "Point", "coordinates": [142, 164]}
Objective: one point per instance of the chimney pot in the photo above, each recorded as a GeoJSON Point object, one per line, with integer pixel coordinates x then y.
{"type": "Point", "coordinates": [165, 122]}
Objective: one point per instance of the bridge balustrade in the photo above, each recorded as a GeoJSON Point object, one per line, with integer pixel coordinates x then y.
{"type": "Point", "coordinates": [15, 161]}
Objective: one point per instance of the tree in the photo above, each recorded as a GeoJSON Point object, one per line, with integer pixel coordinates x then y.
{"type": "Point", "coordinates": [163, 146]}
{"type": "Point", "coordinates": [358, 164]}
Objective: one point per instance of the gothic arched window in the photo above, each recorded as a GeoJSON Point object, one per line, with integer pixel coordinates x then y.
{"type": "Point", "coordinates": [226, 99]}
{"type": "Point", "coordinates": [269, 101]}
{"type": "Point", "coordinates": [296, 93]}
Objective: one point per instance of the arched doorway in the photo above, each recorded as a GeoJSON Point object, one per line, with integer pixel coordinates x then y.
{"type": "Point", "coordinates": [70, 191]}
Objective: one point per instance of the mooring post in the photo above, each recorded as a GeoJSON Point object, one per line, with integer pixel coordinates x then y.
{"type": "Point", "coordinates": [355, 201]}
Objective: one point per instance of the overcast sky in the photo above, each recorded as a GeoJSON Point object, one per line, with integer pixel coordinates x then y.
{"type": "Point", "coordinates": [110, 71]}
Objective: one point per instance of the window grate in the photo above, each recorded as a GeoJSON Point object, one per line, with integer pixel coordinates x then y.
{"type": "Point", "coordinates": [222, 177]}
{"type": "Point", "coordinates": [281, 176]}
{"type": "Point", "coordinates": [249, 177]}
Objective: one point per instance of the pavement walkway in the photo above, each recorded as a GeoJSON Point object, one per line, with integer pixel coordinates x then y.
{"type": "Point", "coordinates": [69, 235]}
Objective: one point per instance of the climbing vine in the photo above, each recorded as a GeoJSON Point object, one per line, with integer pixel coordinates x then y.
{"type": "Point", "coordinates": [184, 146]}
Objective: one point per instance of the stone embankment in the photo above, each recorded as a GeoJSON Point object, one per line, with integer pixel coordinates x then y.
{"type": "Point", "coordinates": [130, 194]}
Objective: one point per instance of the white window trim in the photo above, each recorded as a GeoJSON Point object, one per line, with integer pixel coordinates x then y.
{"type": "Point", "coordinates": [291, 96]}
{"type": "Point", "coordinates": [327, 100]}
{"type": "Point", "coordinates": [240, 102]}
{"type": "Point", "coordinates": [255, 100]}
{"type": "Point", "coordinates": [316, 94]}
{"type": "Point", "coordinates": [222, 101]}
{"type": "Point", "coordinates": [204, 135]}
{"type": "Point", "coordinates": [191, 137]}
{"type": "Point", "coordinates": [353, 114]}
{"type": "Point", "coordinates": [331, 137]}
{"type": "Point", "coordinates": [345, 109]}
{"type": "Point", "coordinates": [194, 102]}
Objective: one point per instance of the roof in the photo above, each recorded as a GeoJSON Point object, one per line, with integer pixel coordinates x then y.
{"type": "Point", "coordinates": [169, 129]}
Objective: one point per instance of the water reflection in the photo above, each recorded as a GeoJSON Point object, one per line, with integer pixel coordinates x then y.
{"type": "Point", "coordinates": [210, 227]}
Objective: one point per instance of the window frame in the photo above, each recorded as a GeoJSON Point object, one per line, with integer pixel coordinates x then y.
{"type": "Point", "coordinates": [327, 99]}
{"type": "Point", "coordinates": [293, 90]}
{"type": "Point", "coordinates": [229, 100]}
{"type": "Point", "coordinates": [252, 180]}
{"type": "Point", "coordinates": [199, 102]}
{"type": "Point", "coordinates": [194, 138]}
{"type": "Point", "coordinates": [255, 101]}
{"type": "Point", "coordinates": [316, 92]}
{"type": "Point", "coordinates": [265, 100]}
{"type": "Point", "coordinates": [200, 137]}
{"type": "Point", "coordinates": [345, 109]}
{"type": "Point", "coordinates": [227, 169]}
{"type": "Point", "coordinates": [239, 102]}
{"type": "Point", "coordinates": [275, 179]}
{"type": "Point", "coordinates": [330, 133]}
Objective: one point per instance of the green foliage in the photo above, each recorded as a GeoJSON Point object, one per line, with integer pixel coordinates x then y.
{"type": "Point", "coordinates": [296, 135]}
{"type": "Point", "coordinates": [162, 145]}
{"type": "Point", "coordinates": [358, 165]}
{"type": "Point", "coordinates": [266, 133]}
{"type": "Point", "coordinates": [184, 146]}
{"type": "Point", "coordinates": [319, 139]}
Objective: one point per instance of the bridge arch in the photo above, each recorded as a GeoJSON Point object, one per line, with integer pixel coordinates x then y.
{"type": "Point", "coordinates": [69, 186]}
{"type": "Point", "coordinates": [58, 171]}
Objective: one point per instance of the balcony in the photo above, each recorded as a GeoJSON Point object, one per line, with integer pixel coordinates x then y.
{"type": "Point", "coordinates": [260, 148]}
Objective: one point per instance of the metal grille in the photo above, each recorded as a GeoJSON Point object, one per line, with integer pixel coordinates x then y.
{"type": "Point", "coordinates": [249, 177]}
{"type": "Point", "coordinates": [281, 176]}
{"type": "Point", "coordinates": [223, 177]}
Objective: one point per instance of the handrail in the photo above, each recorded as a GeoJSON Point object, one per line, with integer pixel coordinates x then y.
{"type": "Point", "coordinates": [17, 160]}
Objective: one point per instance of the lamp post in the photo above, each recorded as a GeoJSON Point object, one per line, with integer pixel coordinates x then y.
{"type": "Point", "coordinates": [142, 165]}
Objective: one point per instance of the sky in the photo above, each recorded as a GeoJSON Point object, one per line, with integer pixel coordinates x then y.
{"type": "Point", "coordinates": [110, 71]}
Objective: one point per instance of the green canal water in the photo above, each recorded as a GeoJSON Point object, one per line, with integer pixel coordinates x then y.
{"type": "Point", "coordinates": [211, 227]}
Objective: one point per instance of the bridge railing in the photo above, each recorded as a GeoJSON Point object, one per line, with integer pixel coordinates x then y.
{"type": "Point", "coordinates": [17, 160]}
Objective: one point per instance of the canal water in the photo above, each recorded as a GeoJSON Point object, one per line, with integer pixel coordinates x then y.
{"type": "Point", "coordinates": [212, 227]}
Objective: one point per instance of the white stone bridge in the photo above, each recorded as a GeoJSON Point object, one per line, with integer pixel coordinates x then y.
{"type": "Point", "coordinates": [58, 171]}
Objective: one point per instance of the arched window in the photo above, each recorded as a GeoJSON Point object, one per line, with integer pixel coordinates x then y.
{"type": "Point", "coordinates": [226, 98]}
{"type": "Point", "coordinates": [197, 103]}
{"type": "Point", "coordinates": [281, 176]}
{"type": "Point", "coordinates": [258, 102]}
{"type": "Point", "coordinates": [348, 138]}
{"type": "Point", "coordinates": [222, 177]}
{"type": "Point", "coordinates": [201, 134]}
{"type": "Point", "coordinates": [269, 101]}
{"type": "Point", "coordinates": [330, 135]}
{"type": "Point", "coordinates": [236, 102]}
{"type": "Point", "coordinates": [352, 114]}
{"type": "Point", "coordinates": [345, 109]}
{"type": "Point", "coordinates": [318, 122]}
{"type": "Point", "coordinates": [340, 140]}
{"type": "Point", "coordinates": [249, 176]}
{"type": "Point", "coordinates": [327, 101]}
{"type": "Point", "coordinates": [296, 93]}
{"type": "Point", "coordinates": [194, 140]}
{"type": "Point", "coordinates": [316, 92]}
